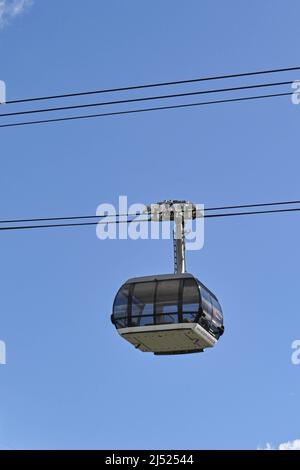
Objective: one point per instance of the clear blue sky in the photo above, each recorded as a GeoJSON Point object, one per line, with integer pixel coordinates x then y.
{"type": "Point", "coordinates": [70, 381]}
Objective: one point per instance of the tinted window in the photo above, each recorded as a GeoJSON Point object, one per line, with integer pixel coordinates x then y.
{"type": "Point", "coordinates": [190, 300]}
{"type": "Point", "coordinates": [120, 307]}
{"type": "Point", "coordinates": [167, 301]}
{"type": "Point", "coordinates": [217, 321]}
{"type": "Point", "coordinates": [207, 308]}
{"type": "Point", "coordinates": [143, 304]}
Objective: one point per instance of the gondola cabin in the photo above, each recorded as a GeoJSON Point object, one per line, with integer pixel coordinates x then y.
{"type": "Point", "coordinates": [168, 314]}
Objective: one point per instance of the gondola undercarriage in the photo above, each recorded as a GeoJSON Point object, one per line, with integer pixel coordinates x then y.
{"type": "Point", "coordinates": [169, 339]}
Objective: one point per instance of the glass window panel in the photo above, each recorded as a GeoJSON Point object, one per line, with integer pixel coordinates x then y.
{"type": "Point", "coordinates": [189, 317]}
{"type": "Point", "coordinates": [120, 309]}
{"type": "Point", "coordinates": [207, 308]}
{"type": "Point", "coordinates": [121, 322]}
{"type": "Point", "coordinates": [167, 301]}
{"type": "Point", "coordinates": [191, 298]}
{"type": "Point", "coordinates": [121, 302]}
{"type": "Point", "coordinates": [217, 320]}
{"type": "Point", "coordinates": [218, 315]}
{"type": "Point", "coordinates": [143, 304]}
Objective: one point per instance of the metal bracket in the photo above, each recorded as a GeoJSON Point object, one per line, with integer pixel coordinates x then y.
{"type": "Point", "coordinates": [176, 211]}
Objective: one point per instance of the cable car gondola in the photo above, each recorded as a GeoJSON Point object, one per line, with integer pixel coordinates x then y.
{"type": "Point", "coordinates": [168, 314]}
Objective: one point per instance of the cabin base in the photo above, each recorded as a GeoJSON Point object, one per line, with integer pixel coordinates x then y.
{"type": "Point", "coordinates": [183, 338]}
